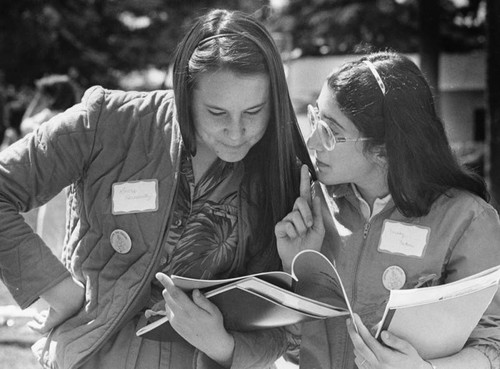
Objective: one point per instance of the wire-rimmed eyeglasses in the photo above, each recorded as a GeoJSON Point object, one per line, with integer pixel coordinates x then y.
{"type": "Point", "coordinates": [326, 135]}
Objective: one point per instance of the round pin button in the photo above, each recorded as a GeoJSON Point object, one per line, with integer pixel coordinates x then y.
{"type": "Point", "coordinates": [120, 241]}
{"type": "Point", "coordinates": [394, 278]}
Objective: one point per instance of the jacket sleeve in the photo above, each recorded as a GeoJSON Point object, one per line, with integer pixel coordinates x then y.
{"type": "Point", "coordinates": [260, 349]}
{"type": "Point", "coordinates": [257, 349]}
{"type": "Point", "coordinates": [32, 171]}
{"type": "Point", "coordinates": [478, 249]}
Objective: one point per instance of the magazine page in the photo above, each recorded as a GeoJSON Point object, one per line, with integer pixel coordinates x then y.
{"type": "Point", "coordinates": [463, 286]}
{"type": "Point", "coordinates": [242, 309]}
{"type": "Point", "coordinates": [291, 299]}
{"type": "Point", "coordinates": [318, 279]}
{"type": "Point", "coordinates": [187, 284]}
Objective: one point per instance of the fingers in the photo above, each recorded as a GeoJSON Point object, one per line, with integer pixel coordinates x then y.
{"type": "Point", "coordinates": [172, 295]}
{"type": "Point", "coordinates": [177, 302]}
{"type": "Point", "coordinates": [396, 343]}
{"type": "Point", "coordinates": [395, 353]}
{"type": "Point", "coordinates": [41, 317]}
{"type": "Point", "coordinates": [148, 313]}
{"type": "Point", "coordinates": [366, 336]}
{"type": "Point", "coordinates": [303, 209]}
{"type": "Point", "coordinates": [317, 215]}
{"type": "Point", "coordinates": [297, 222]}
{"type": "Point", "coordinates": [165, 280]}
{"type": "Point", "coordinates": [202, 302]}
{"type": "Point", "coordinates": [305, 184]}
{"type": "Point", "coordinates": [361, 362]}
{"type": "Point", "coordinates": [35, 326]}
{"type": "Point", "coordinates": [44, 321]}
{"type": "Point", "coordinates": [293, 225]}
{"type": "Point", "coordinates": [361, 349]}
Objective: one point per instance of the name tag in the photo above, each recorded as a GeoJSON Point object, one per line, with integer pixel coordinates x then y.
{"type": "Point", "coordinates": [403, 239]}
{"type": "Point", "coordinates": [135, 197]}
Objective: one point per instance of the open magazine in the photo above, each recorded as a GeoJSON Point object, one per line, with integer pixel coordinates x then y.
{"type": "Point", "coordinates": [271, 299]}
{"type": "Point", "coordinates": [438, 320]}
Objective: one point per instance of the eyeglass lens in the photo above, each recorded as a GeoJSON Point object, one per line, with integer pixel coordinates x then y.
{"type": "Point", "coordinates": [326, 135]}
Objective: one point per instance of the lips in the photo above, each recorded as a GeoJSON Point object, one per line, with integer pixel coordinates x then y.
{"type": "Point", "coordinates": [234, 148]}
{"type": "Point", "coordinates": [320, 164]}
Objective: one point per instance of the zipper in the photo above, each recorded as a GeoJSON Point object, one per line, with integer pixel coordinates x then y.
{"type": "Point", "coordinates": [366, 230]}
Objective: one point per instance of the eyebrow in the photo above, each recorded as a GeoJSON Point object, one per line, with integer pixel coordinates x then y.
{"type": "Point", "coordinates": [330, 120]}
{"type": "Point", "coordinates": [249, 108]}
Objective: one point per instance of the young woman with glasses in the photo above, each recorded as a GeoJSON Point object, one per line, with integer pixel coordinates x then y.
{"type": "Point", "coordinates": [403, 214]}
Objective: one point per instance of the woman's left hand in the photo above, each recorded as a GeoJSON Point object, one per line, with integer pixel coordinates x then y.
{"type": "Point", "coordinates": [198, 321]}
{"type": "Point", "coordinates": [369, 353]}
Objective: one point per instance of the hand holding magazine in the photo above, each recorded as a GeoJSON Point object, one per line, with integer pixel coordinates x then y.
{"type": "Point", "coordinates": [438, 320]}
{"type": "Point", "coordinates": [270, 299]}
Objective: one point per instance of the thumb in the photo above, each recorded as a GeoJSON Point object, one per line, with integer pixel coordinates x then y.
{"type": "Point", "coordinates": [203, 303]}
{"type": "Point", "coordinates": [395, 342]}
{"type": "Point", "coordinates": [164, 280]}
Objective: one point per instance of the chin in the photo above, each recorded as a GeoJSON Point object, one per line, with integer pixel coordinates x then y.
{"type": "Point", "coordinates": [232, 157]}
{"type": "Point", "coordinates": [325, 177]}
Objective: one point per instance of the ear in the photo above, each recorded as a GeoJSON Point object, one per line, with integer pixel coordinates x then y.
{"type": "Point", "coordinates": [379, 155]}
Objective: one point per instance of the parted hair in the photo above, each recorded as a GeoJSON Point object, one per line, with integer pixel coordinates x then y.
{"type": "Point", "coordinates": [403, 125]}
{"type": "Point", "coordinates": [237, 42]}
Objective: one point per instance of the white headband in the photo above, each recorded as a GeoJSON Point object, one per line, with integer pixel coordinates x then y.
{"type": "Point", "coordinates": [376, 75]}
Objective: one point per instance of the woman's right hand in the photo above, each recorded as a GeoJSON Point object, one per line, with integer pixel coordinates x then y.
{"type": "Point", "coordinates": [302, 228]}
{"type": "Point", "coordinates": [65, 299]}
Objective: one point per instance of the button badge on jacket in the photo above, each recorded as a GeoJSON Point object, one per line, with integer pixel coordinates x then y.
{"type": "Point", "coordinates": [120, 241]}
{"type": "Point", "coordinates": [394, 278]}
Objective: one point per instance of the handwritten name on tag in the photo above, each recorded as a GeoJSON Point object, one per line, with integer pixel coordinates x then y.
{"type": "Point", "coordinates": [403, 239]}
{"type": "Point", "coordinates": [135, 197]}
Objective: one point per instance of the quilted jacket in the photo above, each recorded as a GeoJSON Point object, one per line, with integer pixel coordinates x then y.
{"type": "Point", "coordinates": [110, 137]}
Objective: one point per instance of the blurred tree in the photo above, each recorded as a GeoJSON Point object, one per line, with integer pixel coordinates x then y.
{"type": "Point", "coordinates": [96, 40]}
{"type": "Point", "coordinates": [429, 37]}
{"type": "Point", "coordinates": [321, 27]}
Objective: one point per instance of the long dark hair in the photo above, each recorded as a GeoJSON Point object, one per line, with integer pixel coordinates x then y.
{"type": "Point", "coordinates": [235, 41]}
{"type": "Point", "coordinates": [402, 122]}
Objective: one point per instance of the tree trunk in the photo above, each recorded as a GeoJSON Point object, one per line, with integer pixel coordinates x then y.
{"type": "Point", "coordinates": [492, 159]}
{"type": "Point", "coordinates": [429, 42]}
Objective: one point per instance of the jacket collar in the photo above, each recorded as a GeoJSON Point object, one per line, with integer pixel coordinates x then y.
{"type": "Point", "coordinates": [345, 191]}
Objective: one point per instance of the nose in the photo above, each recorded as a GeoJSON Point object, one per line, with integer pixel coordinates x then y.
{"type": "Point", "coordinates": [314, 141]}
{"type": "Point", "coordinates": [235, 130]}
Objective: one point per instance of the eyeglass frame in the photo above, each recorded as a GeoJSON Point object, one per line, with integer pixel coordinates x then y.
{"type": "Point", "coordinates": [315, 121]}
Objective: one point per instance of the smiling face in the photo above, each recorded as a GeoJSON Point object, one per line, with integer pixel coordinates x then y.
{"type": "Point", "coordinates": [346, 163]}
{"type": "Point", "coordinates": [231, 112]}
